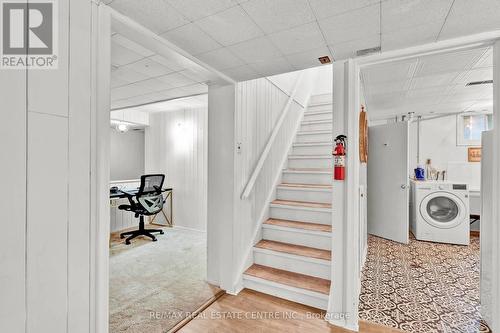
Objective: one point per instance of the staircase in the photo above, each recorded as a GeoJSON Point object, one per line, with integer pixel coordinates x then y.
{"type": "Point", "coordinates": [293, 259]}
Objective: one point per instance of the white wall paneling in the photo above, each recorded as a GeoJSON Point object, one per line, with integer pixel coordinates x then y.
{"type": "Point", "coordinates": [121, 219]}
{"type": "Point", "coordinates": [126, 154]}
{"type": "Point", "coordinates": [45, 255]}
{"type": "Point", "coordinates": [221, 195]}
{"type": "Point", "coordinates": [343, 304]}
{"type": "Point", "coordinates": [13, 201]}
{"type": "Point", "coordinates": [176, 145]}
{"type": "Point", "coordinates": [260, 103]}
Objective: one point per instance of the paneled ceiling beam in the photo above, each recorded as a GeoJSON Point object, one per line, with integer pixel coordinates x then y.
{"type": "Point", "coordinates": [148, 39]}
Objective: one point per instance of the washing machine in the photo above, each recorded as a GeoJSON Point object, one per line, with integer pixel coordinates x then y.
{"type": "Point", "coordinates": [439, 212]}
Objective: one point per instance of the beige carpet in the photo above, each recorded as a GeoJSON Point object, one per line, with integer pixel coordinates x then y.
{"type": "Point", "coordinates": [154, 285]}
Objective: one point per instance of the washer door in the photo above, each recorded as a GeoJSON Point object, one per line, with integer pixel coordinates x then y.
{"type": "Point", "coordinates": [442, 210]}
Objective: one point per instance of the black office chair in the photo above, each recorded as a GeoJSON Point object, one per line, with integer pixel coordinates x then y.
{"type": "Point", "coordinates": [148, 201]}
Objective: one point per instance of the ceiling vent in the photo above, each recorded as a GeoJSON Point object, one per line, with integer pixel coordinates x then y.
{"type": "Point", "coordinates": [371, 50]}
{"type": "Point", "coordinates": [476, 83]}
{"type": "Point", "coordinates": [324, 60]}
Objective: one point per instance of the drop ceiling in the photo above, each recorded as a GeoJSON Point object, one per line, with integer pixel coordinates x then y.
{"type": "Point", "coordinates": [139, 76]}
{"type": "Point", "coordinates": [246, 39]}
{"type": "Point", "coordinates": [432, 84]}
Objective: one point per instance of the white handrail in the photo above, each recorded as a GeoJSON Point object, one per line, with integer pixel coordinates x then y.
{"type": "Point", "coordinates": [251, 182]}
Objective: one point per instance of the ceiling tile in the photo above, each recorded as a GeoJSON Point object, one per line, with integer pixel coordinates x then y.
{"type": "Point", "coordinates": [400, 14]}
{"type": "Point", "coordinates": [220, 59]}
{"type": "Point", "coordinates": [116, 81]}
{"type": "Point", "coordinates": [278, 15]}
{"type": "Point", "coordinates": [176, 79]}
{"type": "Point", "coordinates": [395, 71]}
{"type": "Point", "coordinates": [155, 84]}
{"type": "Point", "coordinates": [156, 15]}
{"type": "Point", "coordinates": [201, 75]}
{"type": "Point", "coordinates": [127, 91]}
{"type": "Point", "coordinates": [167, 63]}
{"type": "Point", "coordinates": [298, 39]}
{"type": "Point", "coordinates": [148, 67]}
{"type": "Point", "coordinates": [256, 50]}
{"type": "Point", "coordinates": [348, 49]}
{"type": "Point", "coordinates": [128, 75]}
{"type": "Point", "coordinates": [406, 37]}
{"type": "Point", "coordinates": [133, 46]}
{"type": "Point", "coordinates": [308, 58]}
{"type": "Point", "coordinates": [242, 73]}
{"type": "Point", "coordinates": [196, 88]}
{"type": "Point", "coordinates": [272, 67]}
{"type": "Point", "coordinates": [353, 25]}
{"type": "Point", "coordinates": [196, 9]}
{"type": "Point", "coordinates": [449, 62]}
{"type": "Point", "coordinates": [326, 8]}
{"type": "Point", "coordinates": [469, 17]}
{"type": "Point", "coordinates": [230, 26]}
{"type": "Point", "coordinates": [121, 56]}
{"type": "Point", "coordinates": [191, 39]}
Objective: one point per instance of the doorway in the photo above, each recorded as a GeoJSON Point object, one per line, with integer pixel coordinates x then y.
{"type": "Point", "coordinates": [423, 270]}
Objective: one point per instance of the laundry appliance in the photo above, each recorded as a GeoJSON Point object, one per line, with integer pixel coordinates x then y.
{"type": "Point", "coordinates": [439, 211]}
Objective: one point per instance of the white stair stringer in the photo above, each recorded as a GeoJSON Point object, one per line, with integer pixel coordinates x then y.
{"type": "Point", "coordinates": [293, 259]}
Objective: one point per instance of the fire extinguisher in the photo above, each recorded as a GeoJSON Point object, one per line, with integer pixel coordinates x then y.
{"type": "Point", "coordinates": [339, 157]}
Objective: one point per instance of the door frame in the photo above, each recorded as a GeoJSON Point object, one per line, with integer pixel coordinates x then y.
{"type": "Point", "coordinates": [345, 219]}
{"type": "Point", "coordinates": [102, 18]}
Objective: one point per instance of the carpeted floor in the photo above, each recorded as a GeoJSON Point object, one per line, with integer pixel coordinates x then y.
{"type": "Point", "coordinates": [154, 285]}
{"type": "Point", "coordinates": [422, 287]}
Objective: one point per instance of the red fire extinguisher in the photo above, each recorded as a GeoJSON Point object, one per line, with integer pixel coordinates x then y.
{"type": "Point", "coordinates": [339, 157]}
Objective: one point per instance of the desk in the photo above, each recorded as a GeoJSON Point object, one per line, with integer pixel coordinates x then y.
{"type": "Point", "coordinates": [169, 219]}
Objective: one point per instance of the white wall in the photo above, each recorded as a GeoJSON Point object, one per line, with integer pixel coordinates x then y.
{"type": "Point", "coordinates": [438, 142]}
{"type": "Point", "coordinates": [45, 251]}
{"type": "Point", "coordinates": [324, 82]}
{"type": "Point", "coordinates": [126, 154]}
{"type": "Point", "coordinates": [176, 145]}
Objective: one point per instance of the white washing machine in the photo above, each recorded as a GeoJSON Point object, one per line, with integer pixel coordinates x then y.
{"type": "Point", "coordinates": [439, 212]}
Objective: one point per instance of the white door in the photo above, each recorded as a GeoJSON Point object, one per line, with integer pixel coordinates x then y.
{"type": "Point", "coordinates": [388, 181]}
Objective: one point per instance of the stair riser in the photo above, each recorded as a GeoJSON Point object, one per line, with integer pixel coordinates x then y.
{"type": "Point", "coordinates": [292, 264]}
{"type": "Point", "coordinates": [301, 215]}
{"type": "Point", "coordinates": [312, 150]}
{"type": "Point", "coordinates": [320, 116]}
{"type": "Point", "coordinates": [304, 195]}
{"type": "Point", "coordinates": [307, 178]}
{"type": "Point", "coordinates": [318, 163]}
{"type": "Point", "coordinates": [316, 127]}
{"type": "Point", "coordinates": [323, 98]}
{"type": "Point", "coordinates": [318, 240]}
{"type": "Point", "coordinates": [283, 292]}
{"type": "Point", "coordinates": [314, 137]}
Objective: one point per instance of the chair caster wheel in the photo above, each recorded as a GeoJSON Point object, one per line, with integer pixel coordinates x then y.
{"type": "Point", "coordinates": [127, 242]}
{"type": "Point", "coordinates": [122, 237]}
{"type": "Point", "coordinates": [154, 239]}
{"type": "Point", "coordinates": [161, 232]}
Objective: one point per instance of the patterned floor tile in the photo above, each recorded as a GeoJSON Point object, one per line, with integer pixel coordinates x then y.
{"type": "Point", "coordinates": [422, 287]}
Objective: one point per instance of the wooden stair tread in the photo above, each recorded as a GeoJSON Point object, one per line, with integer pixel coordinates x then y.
{"type": "Point", "coordinates": [300, 225]}
{"type": "Point", "coordinates": [298, 185]}
{"type": "Point", "coordinates": [302, 203]}
{"type": "Point", "coordinates": [296, 280]}
{"type": "Point", "coordinates": [298, 250]}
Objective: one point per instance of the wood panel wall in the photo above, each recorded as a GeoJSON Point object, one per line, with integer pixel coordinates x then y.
{"type": "Point", "coordinates": [176, 145]}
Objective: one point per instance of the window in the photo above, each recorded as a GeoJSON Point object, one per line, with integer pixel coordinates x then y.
{"type": "Point", "coordinates": [470, 127]}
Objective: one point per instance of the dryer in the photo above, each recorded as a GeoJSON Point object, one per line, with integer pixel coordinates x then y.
{"type": "Point", "coordinates": [440, 212]}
